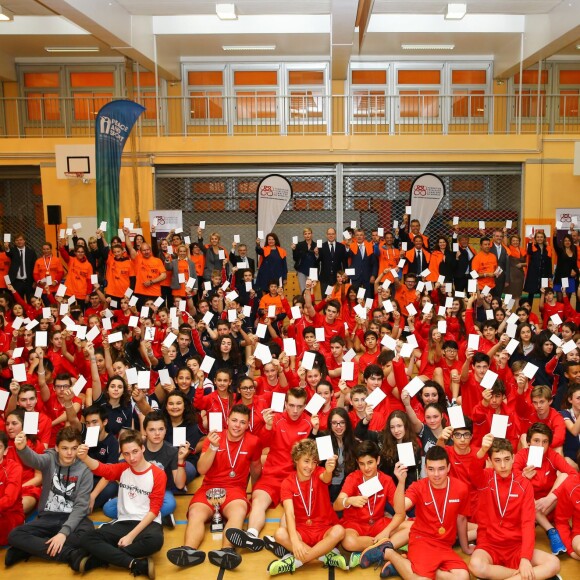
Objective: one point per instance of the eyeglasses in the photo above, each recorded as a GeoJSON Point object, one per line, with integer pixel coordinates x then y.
{"type": "Point", "coordinates": [338, 423]}
{"type": "Point", "coordinates": [462, 435]}
{"type": "Point", "coordinates": [247, 388]}
{"type": "Point", "coordinates": [61, 386]}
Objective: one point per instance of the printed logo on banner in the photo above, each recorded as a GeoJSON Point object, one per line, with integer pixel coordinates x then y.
{"type": "Point", "coordinates": [427, 191]}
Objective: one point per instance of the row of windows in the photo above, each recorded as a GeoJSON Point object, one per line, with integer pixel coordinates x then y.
{"type": "Point", "coordinates": [238, 93]}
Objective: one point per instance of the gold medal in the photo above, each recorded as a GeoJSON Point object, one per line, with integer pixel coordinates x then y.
{"type": "Point", "coordinates": [309, 522]}
{"type": "Point", "coordinates": [441, 530]}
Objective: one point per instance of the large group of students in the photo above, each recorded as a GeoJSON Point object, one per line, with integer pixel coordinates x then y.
{"type": "Point", "coordinates": [411, 397]}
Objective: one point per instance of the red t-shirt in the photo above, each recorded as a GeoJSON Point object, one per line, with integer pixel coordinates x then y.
{"type": "Point", "coordinates": [376, 503]}
{"type": "Point", "coordinates": [568, 508]}
{"type": "Point", "coordinates": [285, 433]}
{"type": "Point", "coordinates": [427, 524]}
{"type": "Point", "coordinates": [55, 409]}
{"type": "Point", "coordinates": [546, 475]}
{"type": "Point", "coordinates": [242, 454]}
{"type": "Point", "coordinates": [517, 526]}
{"type": "Point", "coordinates": [320, 512]}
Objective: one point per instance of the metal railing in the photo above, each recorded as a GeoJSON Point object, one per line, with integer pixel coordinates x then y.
{"type": "Point", "coordinates": [364, 113]}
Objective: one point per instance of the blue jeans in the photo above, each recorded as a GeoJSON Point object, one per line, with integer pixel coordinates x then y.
{"type": "Point", "coordinates": [168, 507]}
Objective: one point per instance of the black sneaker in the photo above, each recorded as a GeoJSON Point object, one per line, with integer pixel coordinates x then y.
{"type": "Point", "coordinates": [168, 521]}
{"type": "Point", "coordinates": [89, 563]}
{"type": "Point", "coordinates": [241, 539]}
{"type": "Point", "coordinates": [273, 546]}
{"type": "Point", "coordinates": [143, 567]}
{"type": "Point", "coordinates": [226, 558]}
{"type": "Point", "coordinates": [15, 555]}
{"type": "Point", "coordinates": [75, 558]}
{"type": "Point", "coordinates": [185, 557]}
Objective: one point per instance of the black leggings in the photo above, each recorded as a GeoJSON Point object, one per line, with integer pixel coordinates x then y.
{"type": "Point", "coordinates": [102, 543]}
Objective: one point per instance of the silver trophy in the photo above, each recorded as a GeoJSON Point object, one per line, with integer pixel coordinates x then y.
{"type": "Point", "coordinates": [216, 497]}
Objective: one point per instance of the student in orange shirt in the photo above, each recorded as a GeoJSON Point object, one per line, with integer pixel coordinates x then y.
{"type": "Point", "coordinates": [80, 270]}
{"type": "Point", "coordinates": [406, 293]}
{"type": "Point", "coordinates": [119, 272]}
{"type": "Point", "coordinates": [45, 266]}
{"type": "Point", "coordinates": [149, 270]}
{"type": "Point", "coordinates": [485, 264]}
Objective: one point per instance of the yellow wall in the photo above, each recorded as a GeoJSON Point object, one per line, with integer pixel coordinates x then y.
{"type": "Point", "coordinates": [548, 163]}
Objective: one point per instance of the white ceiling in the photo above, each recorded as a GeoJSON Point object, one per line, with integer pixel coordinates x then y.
{"type": "Point", "coordinates": [165, 32]}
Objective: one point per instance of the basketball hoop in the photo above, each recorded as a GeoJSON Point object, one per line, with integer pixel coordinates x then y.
{"type": "Point", "coordinates": [77, 175]}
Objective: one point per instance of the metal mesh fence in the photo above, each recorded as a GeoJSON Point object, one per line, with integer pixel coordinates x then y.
{"type": "Point", "coordinates": [374, 196]}
{"type": "Point", "coordinates": [226, 201]}
{"type": "Point", "coordinates": [492, 194]}
{"type": "Point", "coordinates": [21, 210]}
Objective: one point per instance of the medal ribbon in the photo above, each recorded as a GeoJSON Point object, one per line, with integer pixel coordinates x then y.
{"type": "Point", "coordinates": [502, 513]}
{"type": "Point", "coordinates": [233, 465]}
{"type": "Point", "coordinates": [308, 509]}
{"type": "Point", "coordinates": [441, 519]}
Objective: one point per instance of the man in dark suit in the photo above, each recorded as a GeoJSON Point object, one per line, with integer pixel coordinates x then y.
{"type": "Point", "coordinates": [500, 252]}
{"type": "Point", "coordinates": [463, 257]}
{"type": "Point", "coordinates": [331, 258]}
{"type": "Point", "coordinates": [22, 263]}
{"type": "Point", "coordinates": [363, 261]}
{"type": "Point", "coordinates": [239, 259]}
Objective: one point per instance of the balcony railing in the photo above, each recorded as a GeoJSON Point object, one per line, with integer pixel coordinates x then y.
{"type": "Point", "coordinates": [305, 114]}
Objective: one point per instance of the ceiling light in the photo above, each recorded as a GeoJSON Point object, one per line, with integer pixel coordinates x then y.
{"type": "Point", "coordinates": [427, 46]}
{"type": "Point", "coordinates": [72, 48]}
{"type": "Point", "coordinates": [254, 47]}
{"type": "Point", "coordinates": [578, 47]}
{"type": "Point", "coordinates": [226, 11]}
{"type": "Point", "coordinates": [455, 11]}
{"type": "Point", "coordinates": [6, 14]}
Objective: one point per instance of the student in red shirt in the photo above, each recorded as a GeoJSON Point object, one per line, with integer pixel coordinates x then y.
{"type": "Point", "coordinates": [545, 479]}
{"type": "Point", "coordinates": [493, 402]}
{"type": "Point", "coordinates": [474, 368]}
{"type": "Point", "coordinates": [332, 324]}
{"type": "Point", "coordinates": [371, 352]}
{"type": "Point", "coordinates": [227, 460]}
{"type": "Point", "coordinates": [441, 509]}
{"type": "Point", "coordinates": [11, 514]}
{"type": "Point", "coordinates": [363, 516]}
{"type": "Point", "coordinates": [536, 407]}
{"type": "Point", "coordinates": [549, 306]}
{"type": "Point", "coordinates": [311, 531]}
{"type": "Point", "coordinates": [288, 427]}
{"type": "Point", "coordinates": [448, 370]}
{"type": "Point", "coordinates": [506, 516]}
{"type": "Point", "coordinates": [567, 516]}
{"type": "Point", "coordinates": [26, 397]}
{"type": "Point", "coordinates": [137, 532]}
{"type": "Point", "coordinates": [461, 455]}
{"type": "Point", "coordinates": [334, 364]}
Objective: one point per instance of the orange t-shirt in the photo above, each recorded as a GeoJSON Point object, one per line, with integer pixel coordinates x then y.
{"type": "Point", "coordinates": [119, 273]}
{"type": "Point", "coordinates": [182, 268]}
{"type": "Point", "coordinates": [388, 259]}
{"type": "Point", "coordinates": [268, 300]}
{"type": "Point", "coordinates": [4, 268]}
{"type": "Point", "coordinates": [481, 263]}
{"type": "Point", "coordinates": [147, 269]}
{"type": "Point", "coordinates": [78, 279]}
{"type": "Point", "coordinates": [51, 267]}
{"type": "Point", "coordinates": [405, 296]}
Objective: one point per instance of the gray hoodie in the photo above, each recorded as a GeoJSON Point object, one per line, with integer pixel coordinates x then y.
{"type": "Point", "coordinates": [65, 489]}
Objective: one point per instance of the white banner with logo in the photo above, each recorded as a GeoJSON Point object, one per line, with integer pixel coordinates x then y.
{"type": "Point", "coordinates": [427, 191]}
{"type": "Point", "coordinates": [274, 193]}
{"type": "Point", "coordinates": [566, 216]}
{"type": "Point", "coordinates": [166, 220]}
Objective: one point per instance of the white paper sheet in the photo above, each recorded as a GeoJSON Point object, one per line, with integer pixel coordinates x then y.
{"type": "Point", "coordinates": [315, 404]}
{"type": "Point", "coordinates": [488, 380]}
{"type": "Point", "coordinates": [207, 364]}
{"type": "Point", "coordinates": [375, 398]}
{"type": "Point", "coordinates": [179, 436]}
{"type": "Point", "coordinates": [92, 436]}
{"type": "Point", "coordinates": [406, 454]}
{"type": "Point", "coordinates": [347, 371]}
{"type": "Point", "coordinates": [535, 456]}
{"type": "Point", "coordinates": [499, 425]}
{"type": "Point", "coordinates": [456, 417]}
{"type": "Point", "coordinates": [215, 422]}
{"type": "Point", "coordinates": [324, 445]}
{"type": "Point", "coordinates": [370, 487]}
{"type": "Point", "coordinates": [290, 346]}
{"type": "Point", "coordinates": [278, 402]}
{"type": "Point", "coordinates": [30, 426]}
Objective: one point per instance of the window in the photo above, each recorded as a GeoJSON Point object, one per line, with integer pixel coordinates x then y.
{"type": "Point", "coordinates": [42, 92]}
{"type": "Point", "coordinates": [90, 91]}
{"type": "Point", "coordinates": [468, 87]}
{"type": "Point", "coordinates": [369, 95]}
{"type": "Point", "coordinates": [569, 91]}
{"type": "Point", "coordinates": [256, 94]}
{"type": "Point", "coordinates": [306, 91]}
{"type": "Point", "coordinates": [419, 91]}
{"type": "Point", "coordinates": [144, 87]}
{"type": "Point", "coordinates": [206, 96]}
{"type": "Point", "coordinates": [533, 86]}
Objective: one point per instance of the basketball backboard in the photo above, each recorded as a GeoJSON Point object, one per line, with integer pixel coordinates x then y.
{"type": "Point", "coordinates": [75, 159]}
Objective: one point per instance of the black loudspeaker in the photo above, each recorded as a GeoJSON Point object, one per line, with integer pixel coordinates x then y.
{"type": "Point", "coordinates": [54, 215]}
